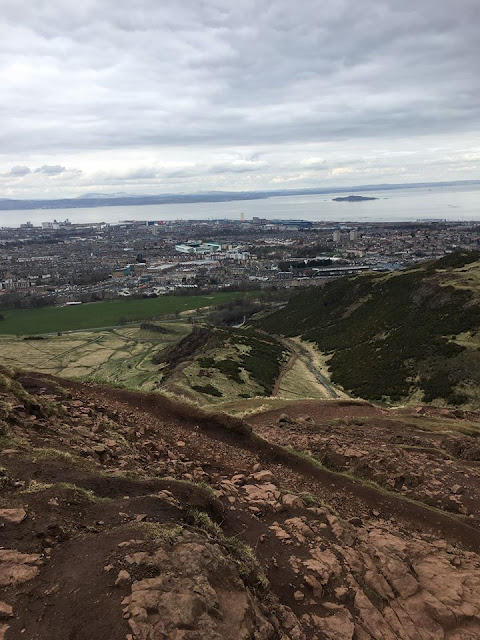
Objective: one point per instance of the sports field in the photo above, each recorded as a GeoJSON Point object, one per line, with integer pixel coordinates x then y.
{"type": "Point", "coordinates": [102, 314]}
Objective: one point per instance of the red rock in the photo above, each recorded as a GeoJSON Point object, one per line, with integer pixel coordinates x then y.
{"type": "Point", "coordinates": [15, 516]}
{"type": "Point", "coordinates": [263, 476]}
{"type": "Point", "coordinates": [6, 610]}
{"type": "Point", "coordinates": [123, 578]}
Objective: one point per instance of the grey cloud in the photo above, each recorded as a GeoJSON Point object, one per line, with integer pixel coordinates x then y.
{"type": "Point", "coordinates": [51, 169]}
{"type": "Point", "coordinates": [237, 166]}
{"type": "Point", "coordinates": [314, 163]}
{"type": "Point", "coordinates": [142, 173]}
{"type": "Point", "coordinates": [120, 76]}
{"type": "Point", "coordinates": [191, 171]}
{"type": "Point", "coordinates": [18, 171]}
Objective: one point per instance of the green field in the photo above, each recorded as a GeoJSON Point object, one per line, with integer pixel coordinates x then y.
{"type": "Point", "coordinates": [102, 314]}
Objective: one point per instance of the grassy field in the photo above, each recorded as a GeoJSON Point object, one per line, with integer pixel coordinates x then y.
{"type": "Point", "coordinates": [120, 356]}
{"type": "Point", "coordinates": [102, 314]}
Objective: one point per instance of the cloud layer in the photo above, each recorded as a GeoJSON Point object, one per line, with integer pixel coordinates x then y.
{"type": "Point", "coordinates": [168, 96]}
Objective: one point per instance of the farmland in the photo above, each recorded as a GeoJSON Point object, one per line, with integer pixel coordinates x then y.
{"type": "Point", "coordinates": [102, 314]}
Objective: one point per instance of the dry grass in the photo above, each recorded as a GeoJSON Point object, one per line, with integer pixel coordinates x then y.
{"type": "Point", "coordinates": [120, 356]}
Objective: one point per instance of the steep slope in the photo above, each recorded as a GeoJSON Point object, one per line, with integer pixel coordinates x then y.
{"type": "Point", "coordinates": [131, 516]}
{"type": "Point", "coordinates": [390, 336]}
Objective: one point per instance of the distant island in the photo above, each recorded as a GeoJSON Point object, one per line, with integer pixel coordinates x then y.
{"type": "Point", "coordinates": [353, 198]}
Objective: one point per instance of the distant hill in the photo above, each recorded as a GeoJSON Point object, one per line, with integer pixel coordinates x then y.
{"type": "Point", "coordinates": [122, 199]}
{"type": "Point", "coordinates": [410, 334]}
{"type": "Point", "coordinates": [119, 194]}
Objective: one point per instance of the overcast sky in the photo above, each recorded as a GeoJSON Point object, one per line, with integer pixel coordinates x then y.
{"type": "Point", "coordinates": [152, 96]}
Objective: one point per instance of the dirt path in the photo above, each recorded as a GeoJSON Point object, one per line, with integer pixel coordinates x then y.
{"type": "Point", "coordinates": [285, 369]}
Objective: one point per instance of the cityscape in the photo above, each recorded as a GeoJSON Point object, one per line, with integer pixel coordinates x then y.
{"type": "Point", "coordinates": [63, 263]}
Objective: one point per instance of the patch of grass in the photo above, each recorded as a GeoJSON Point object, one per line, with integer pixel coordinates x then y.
{"type": "Point", "coordinates": [206, 487]}
{"type": "Point", "coordinates": [35, 486]}
{"type": "Point", "coordinates": [86, 494]}
{"type": "Point", "coordinates": [35, 405]}
{"type": "Point", "coordinates": [473, 432]}
{"type": "Point", "coordinates": [102, 314]}
{"type": "Point", "coordinates": [240, 553]}
{"type": "Point", "coordinates": [49, 453]}
{"type": "Point", "coordinates": [202, 520]}
{"type": "Point", "coordinates": [50, 408]}
{"type": "Point", "coordinates": [167, 532]}
{"type": "Point", "coordinates": [309, 499]}
{"type": "Point", "coordinates": [348, 421]}
{"type": "Point", "coordinates": [8, 440]}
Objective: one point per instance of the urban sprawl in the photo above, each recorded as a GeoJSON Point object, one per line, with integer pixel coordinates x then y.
{"type": "Point", "coordinates": [63, 263]}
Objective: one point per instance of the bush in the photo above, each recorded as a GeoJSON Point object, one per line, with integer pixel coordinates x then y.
{"type": "Point", "coordinates": [230, 369]}
{"type": "Point", "coordinates": [209, 389]}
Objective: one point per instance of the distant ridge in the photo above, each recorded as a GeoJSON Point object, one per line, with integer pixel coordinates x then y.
{"type": "Point", "coordinates": [121, 199]}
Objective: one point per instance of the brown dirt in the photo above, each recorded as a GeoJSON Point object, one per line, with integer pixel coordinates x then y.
{"type": "Point", "coordinates": [141, 457]}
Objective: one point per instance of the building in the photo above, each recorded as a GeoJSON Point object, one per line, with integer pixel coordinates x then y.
{"type": "Point", "coordinates": [198, 247]}
{"type": "Point", "coordinates": [336, 236]}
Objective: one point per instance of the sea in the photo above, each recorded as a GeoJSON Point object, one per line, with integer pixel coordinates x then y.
{"type": "Point", "coordinates": [393, 205]}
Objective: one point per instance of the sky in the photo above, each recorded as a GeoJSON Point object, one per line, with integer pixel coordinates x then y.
{"type": "Point", "coordinates": [147, 97]}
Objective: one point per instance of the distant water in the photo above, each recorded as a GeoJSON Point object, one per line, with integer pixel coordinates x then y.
{"type": "Point", "coordinates": [396, 205]}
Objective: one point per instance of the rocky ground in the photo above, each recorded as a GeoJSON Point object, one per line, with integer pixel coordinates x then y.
{"type": "Point", "coordinates": [396, 449]}
{"type": "Point", "coordinates": [129, 516]}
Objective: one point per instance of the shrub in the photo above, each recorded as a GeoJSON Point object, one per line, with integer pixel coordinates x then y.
{"type": "Point", "coordinates": [209, 389]}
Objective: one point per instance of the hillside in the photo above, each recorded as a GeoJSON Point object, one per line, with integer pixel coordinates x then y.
{"type": "Point", "coordinates": [211, 365]}
{"type": "Point", "coordinates": [410, 334]}
{"type": "Point", "coordinates": [130, 515]}
{"type": "Point", "coordinates": [222, 363]}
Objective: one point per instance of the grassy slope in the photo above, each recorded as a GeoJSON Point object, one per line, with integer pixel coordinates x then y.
{"type": "Point", "coordinates": [120, 356]}
{"type": "Point", "coordinates": [101, 314]}
{"type": "Point", "coordinates": [390, 335]}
